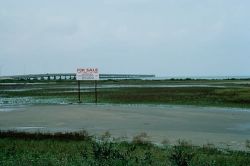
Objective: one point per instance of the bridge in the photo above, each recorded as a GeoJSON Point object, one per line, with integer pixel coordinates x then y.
{"type": "Point", "coordinates": [72, 76]}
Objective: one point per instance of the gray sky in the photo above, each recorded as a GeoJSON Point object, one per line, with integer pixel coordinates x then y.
{"type": "Point", "coordinates": [162, 37]}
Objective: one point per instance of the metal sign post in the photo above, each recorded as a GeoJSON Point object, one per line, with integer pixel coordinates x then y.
{"type": "Point", "coordinates": [79, 91]}
{"type": "Point", "coordinates": [96, 91]}
{"type": "Point", "coordinates": [87, 74]}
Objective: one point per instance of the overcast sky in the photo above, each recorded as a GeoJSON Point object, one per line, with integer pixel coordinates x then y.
{"type": "Point", "coordinates": [162, 37]}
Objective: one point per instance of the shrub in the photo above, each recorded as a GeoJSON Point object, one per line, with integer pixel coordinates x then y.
{"type": "Point", "coordinates": [106, 136]}
{"type": "Point", "coordinates": [181, 154]}
{"type": "Point", "coordinates": [106, 151]}
{"type": "Point", "coordinates": [142, 139]}
{"type": "Point", "coordinates": [248, 144]}
{"type": "Point", "coordinates": [165, 142]}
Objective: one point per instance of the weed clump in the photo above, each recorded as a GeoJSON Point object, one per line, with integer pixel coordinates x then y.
{"type": "Point", "coordinates": [248, 144]}
{"type": "Point", "coordinates": [181, 154]}
{"type": "Point", "coordinates": [165, 142]}
{"type": "Point", "coordinates": [142, 139]}
{"type": "Point", "coordinates": [79, 135]}
{"type": "Point", "coordinates": [20, 148]}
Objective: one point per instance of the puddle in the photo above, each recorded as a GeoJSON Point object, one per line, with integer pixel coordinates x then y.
{"type": "Point", "coordinates": [241, 127]}
{"type": "Point", "coordinates": [7, 109]}
{"type": "Point", "coordinates": [21, 90]}
{"type": "Point", "coordinates": [10, 108]}
{"type": "Point", "coordinates": [27, 128]}
{"type": "Point", "coordinates": [22, 83]}
{"type": "Point", "coordinates": [5, 101]}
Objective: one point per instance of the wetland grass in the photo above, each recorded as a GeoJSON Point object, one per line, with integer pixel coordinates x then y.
{"type": "Point", "coordinates": [20, 148]}
{"type": "Point", "coordinates": [235, 94]}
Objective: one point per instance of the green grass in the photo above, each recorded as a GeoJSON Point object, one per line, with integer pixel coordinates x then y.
{"type": "Point", "coordinates": [19, 148]}
{"type": "Point", "coordinates": [232, 97]}
{"type": "Point", "coordinates": [234, 93]}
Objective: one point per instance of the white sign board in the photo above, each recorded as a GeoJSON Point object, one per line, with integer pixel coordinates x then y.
{"type": "Point", "coordinates": [87, 74]}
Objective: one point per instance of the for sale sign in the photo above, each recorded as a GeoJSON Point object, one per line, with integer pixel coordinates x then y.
{"type": "Point", "coordinates": [87, 74]}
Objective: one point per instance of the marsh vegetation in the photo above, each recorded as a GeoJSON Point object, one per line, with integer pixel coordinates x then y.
{"type": "Point", "coordinates": [79, 148]}
{"type": "Point", "coordinates": [20, 148]}
{"type": "Point", "coordinates": [226, 93]}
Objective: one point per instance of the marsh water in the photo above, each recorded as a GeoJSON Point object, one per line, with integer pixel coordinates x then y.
{"type": "Point", "coordinates": [224, 127]}
{"type": "Point", "coordinates": [21, 110]}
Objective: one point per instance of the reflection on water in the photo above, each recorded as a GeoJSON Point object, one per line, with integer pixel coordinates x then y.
{"type": "Point", "coordinates": [244, 127]}
{"type": "Point", "coordinates": [8, 108]}
{"type": "Point", "coordinates": [14, 101]}
{"type": "Point", "coordinates": [26, 128]}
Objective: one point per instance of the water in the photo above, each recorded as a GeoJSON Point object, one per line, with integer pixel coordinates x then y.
{"type": "Point", "coordinates": [199, 77]}
{"type": "Point", "coordinates": [6, 101]}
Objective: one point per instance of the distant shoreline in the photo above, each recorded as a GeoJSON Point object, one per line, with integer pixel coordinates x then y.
{"type": "Point", "coordinates": [9, 77]}
{"type": "Point", "coordinates": [200, 77]}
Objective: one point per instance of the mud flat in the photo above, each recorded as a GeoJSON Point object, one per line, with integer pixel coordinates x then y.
{"type": "Point", "coordinates": [223, 127]}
